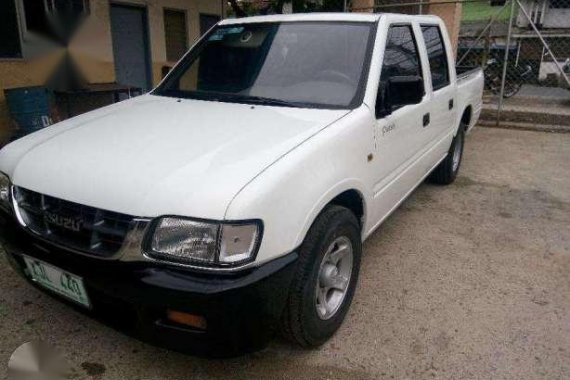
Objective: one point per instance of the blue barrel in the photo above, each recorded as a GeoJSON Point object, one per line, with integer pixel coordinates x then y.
{"type": "Point", "coordinates": [30, 108]}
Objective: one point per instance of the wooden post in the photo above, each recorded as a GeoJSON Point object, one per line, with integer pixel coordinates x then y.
{"type": "Point", "coordinates": [450, 13]}
{"type": "Point", "coordinates": [363, 6]}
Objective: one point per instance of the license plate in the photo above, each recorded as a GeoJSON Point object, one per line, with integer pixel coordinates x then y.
{"type": "Point", "coordinates": [59, 281]}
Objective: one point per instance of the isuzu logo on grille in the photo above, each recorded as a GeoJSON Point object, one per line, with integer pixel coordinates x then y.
{"type": "Point", "coordinates": [67, 222]}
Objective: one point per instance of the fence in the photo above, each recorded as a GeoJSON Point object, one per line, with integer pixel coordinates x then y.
{"type": "Point", "coordinates": [524, 48]}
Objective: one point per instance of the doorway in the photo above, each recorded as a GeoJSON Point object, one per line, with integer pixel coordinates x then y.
{"type": "Point", "coordinates": [129, 31]}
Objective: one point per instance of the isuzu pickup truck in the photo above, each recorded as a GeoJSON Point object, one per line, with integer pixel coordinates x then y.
{"type": "Point", "coordinates": [232, 200]}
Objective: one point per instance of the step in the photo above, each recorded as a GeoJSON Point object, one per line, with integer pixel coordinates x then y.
{"type": "Point", "coordinates": [524, 126]}
{"type": "Point", "coordinates": [541, 114]}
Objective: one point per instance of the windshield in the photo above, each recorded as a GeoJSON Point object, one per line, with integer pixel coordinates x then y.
{"type": "Point", "coordinates": [302, 64]}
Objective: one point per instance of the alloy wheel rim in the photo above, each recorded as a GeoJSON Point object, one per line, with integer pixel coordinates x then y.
{"type": "Point", "coordinates": [334, 278]}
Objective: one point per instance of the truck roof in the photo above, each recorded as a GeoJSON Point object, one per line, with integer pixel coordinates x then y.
{"type": "Point", "coordinates": [355, 17]}
{"type": "Point", "coordinates": [350, 17]}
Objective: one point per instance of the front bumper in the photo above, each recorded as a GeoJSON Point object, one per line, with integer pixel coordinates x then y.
{"type": "Point", "coordinates": [241, 309]}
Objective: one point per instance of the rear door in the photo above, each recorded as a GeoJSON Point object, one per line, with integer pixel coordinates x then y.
{"type": "Point", "coordinates": [443, 91]}
{"type": "Point", "coordinates": [399, 136]}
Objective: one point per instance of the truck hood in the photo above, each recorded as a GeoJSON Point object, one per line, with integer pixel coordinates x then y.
{"type": "Point", "coordinates": [154, 156]}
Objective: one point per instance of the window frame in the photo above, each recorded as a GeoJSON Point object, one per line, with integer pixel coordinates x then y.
{"type": "Point", "coordinates": [415, 41]}
{"type": "Point", "coordinates": [26, 35]}
{"type": "Point", "coordinates": [410, 25]}
{"type": "Point", "coordinates": [359, 96]}
{"type": "Point", "coordinates": [31, 36]}
{"type": "Point", "coordinates": [443, 43]}
{"type": "Point", "coordinates": [186, 31]}
{"type": "Point", "coordinates": [18, 22]}
{"type": "Point", "coordinates": [33, 44]}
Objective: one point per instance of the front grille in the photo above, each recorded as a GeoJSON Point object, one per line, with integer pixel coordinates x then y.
{"type": "Point", "coordinates": [90, 230]}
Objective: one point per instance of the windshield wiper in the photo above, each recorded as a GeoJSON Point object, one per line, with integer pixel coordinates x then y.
{"type": "Point", "coordinates": [227, 97]}
{"type": "Point", "coordinates": [266, 101]}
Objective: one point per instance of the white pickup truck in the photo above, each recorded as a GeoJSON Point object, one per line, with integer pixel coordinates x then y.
{"type": "Point", "coordinates": [233, 200]}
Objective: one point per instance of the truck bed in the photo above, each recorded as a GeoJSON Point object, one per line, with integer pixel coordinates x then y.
{"type": "Point", "coordinates": [470, 90]}
{"type": "Point", "coordinates": [465, 71]}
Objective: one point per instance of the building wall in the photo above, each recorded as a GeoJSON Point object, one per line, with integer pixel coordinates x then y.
{"type": "Point", "coordinates": [92, 50]}
{"type": "Point", "coordinates": [363, 5]}
{"type": "Point", "coordinates": [18, 72]}
{"type": "Point", "coordinates": [450, 13]}
{"type": "Point", "coordinates": [92, 46]}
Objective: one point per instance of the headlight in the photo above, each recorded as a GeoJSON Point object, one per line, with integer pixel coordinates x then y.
{"type": "Point", "coordinates": [204, 243]}
{"type": "Point", "coordinates": [4, 191]}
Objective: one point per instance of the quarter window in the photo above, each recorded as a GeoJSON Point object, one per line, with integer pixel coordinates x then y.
{"type": "Point", "coordinates": [436, 55]}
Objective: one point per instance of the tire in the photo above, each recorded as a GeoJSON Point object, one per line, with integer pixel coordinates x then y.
{"type": "Point", "coordinates": [305, 320]}
{"type": "Point", "coordinates": [511, 89]}
{"type": "Point", "coordinates": [446, 172]}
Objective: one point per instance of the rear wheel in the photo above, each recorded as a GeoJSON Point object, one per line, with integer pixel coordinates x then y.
{"type": "Point", "coordinates": [327, 273]}
{"type": "Point", "coordinates": [446, 172]}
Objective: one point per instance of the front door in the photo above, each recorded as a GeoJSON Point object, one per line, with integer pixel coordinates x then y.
{"type": "Point", "coordinates": [130, 46]}
{"type": "Point", "coordinates": [400, 134]}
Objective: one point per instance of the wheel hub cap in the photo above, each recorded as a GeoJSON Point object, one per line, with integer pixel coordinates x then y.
{"type": "Point", "coordinates": [334, 277]}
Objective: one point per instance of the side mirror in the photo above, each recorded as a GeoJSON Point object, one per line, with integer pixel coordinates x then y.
{"type": "Point", "coordinates": [399, 91]}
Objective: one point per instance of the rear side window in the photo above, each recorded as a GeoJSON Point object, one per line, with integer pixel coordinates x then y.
{"type": "Point", "coordinates": [401, 55]}
{"type": "Point", "coordinates": [436, 55]}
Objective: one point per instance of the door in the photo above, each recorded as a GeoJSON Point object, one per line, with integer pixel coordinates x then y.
{"type": "Point", "coordinates": [130, 46]}
{"type": "Point", "coordinates": [207, 22]}
{"type": "Point", "coordinates": [443, 92]}
{"type": "Point", "coordinates": [399, 135]}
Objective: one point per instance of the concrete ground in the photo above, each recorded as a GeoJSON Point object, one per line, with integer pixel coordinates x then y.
{"type": "Point", "coordinates": [556, 94]}
{"type": "Point", "coordinates": [533, 107]}
{"type": "Point", "coordinates": [469, 281]}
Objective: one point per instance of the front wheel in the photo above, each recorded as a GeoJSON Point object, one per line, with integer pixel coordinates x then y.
{"type": "Point", "coordinates": [327, 273]}
{"type": "Point", "coordinates": [446, 172]}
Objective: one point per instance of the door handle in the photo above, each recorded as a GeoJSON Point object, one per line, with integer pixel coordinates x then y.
{"type": "Point", "coordinates": [426, 119]}
{"type": "Point", "coordinates": [450, 104]}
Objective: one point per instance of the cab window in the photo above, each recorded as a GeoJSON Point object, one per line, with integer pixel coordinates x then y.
{"type": "Point", "coordinates": [436, 55]}
{"type": "Point", "coordinates": [401, 57]}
